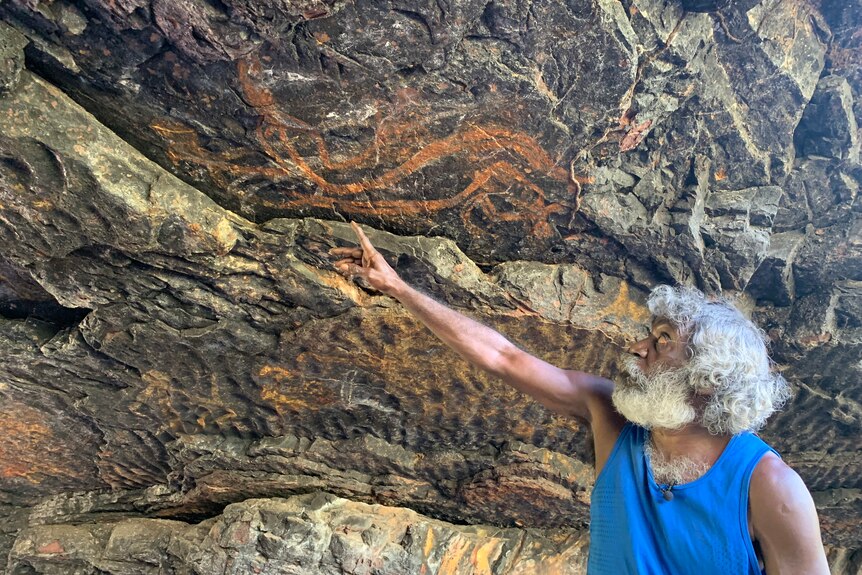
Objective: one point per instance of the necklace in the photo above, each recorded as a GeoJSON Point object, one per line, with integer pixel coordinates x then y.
{"type": "Point", "coordinates": [666, 491]}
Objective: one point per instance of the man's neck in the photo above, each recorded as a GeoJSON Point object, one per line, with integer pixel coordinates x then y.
{"type": "Point", "coordinates": [692, 441]}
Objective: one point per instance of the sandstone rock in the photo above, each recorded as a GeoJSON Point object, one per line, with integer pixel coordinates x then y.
{"type": "Point", "coordinates": [828, 127]}
{"type": "Point", "coordinates": [773, 280]}
{"type": "Point", "coordinates": [736, 233]}
{"type": "Point", "coordinates": [176, 340]}
{"type": "Point", "coordinates": [12, 45]}
{"type": "Point", "coordinates": [841, 20]}
{"type": "Point", "coordinates": [821, 197]}
{"type": "Point", "coordinates": [304, 535]}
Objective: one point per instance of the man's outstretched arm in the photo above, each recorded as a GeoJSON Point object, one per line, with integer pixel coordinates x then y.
{"type": "Point", "coordinates": [576, 393]}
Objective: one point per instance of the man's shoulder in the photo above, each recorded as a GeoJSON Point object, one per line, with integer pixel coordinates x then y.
{"type": "Point", "coordinates": [773, 475]}
{"type": "Point", "coordinates": [777, 493]}
{"type": "Point", "coordinates": [784, 519]}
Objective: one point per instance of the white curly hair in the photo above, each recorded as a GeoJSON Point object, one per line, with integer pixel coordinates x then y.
{"type": "Point", "coordinates": [729, 365]}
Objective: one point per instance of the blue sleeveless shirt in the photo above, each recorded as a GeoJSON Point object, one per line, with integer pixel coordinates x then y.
{"type": "Point", "coordinates": [703, 529]}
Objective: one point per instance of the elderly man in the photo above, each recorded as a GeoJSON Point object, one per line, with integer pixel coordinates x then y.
{"type": "Point", "coordinates": [683, 485]}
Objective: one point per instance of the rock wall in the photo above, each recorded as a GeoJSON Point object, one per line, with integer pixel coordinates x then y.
{"type": "Point", "coordinates": [179, 353]}
{"type": "Point", "coordinates": [304, 534]}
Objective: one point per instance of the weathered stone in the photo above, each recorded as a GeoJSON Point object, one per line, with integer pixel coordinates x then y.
{"type": "Point", "coordinates": [613, 213]}
{"type": "Point", "coordinates": [828, 127]}
{"type": "Point", "coordinates": [175, 339]}
{"type": "Point", "coordinates": [819, 192]}
{"type": "Point", "coordinates": [568, 294]}
{"type": "Point", "coordinates": [540, 487]}
{"type": "Point", "coordinates": [315, 533]}
{"type": "Point", "coordinates": [844, 560]}
{"type": "Point", "coordinates": [829, 255]}
{"type": "Point", "coordinates": [147, 312]}
{"type": "Point", "coordinates": [773, 280]}
{"type": "Point", "coordinates": [735, 233]}
{"type": "Point", "coordinates": [750, 123]}
{"type": "Point", "coordinates": [841, 18]}
{"type": "Point", "coordinates": [12, 45]}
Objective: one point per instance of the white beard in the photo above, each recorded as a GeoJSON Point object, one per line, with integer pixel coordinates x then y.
{"type": "Point", "coordinates": [659, 399]}
{"type": "Point", "coordinates": [673, 471]}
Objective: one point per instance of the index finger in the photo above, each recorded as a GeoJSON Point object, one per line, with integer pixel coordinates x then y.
{"type": "Point", "coordinates": [363, 239]}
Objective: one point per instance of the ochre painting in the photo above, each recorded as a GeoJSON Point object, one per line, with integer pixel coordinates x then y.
{"type": "Point", "coordinates": [505, 164]}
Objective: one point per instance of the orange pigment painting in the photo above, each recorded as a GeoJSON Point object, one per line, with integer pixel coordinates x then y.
{"type": "Point", "coordinates": [504, 160]}
{"type": "Point", "coordinates": [30, 451]}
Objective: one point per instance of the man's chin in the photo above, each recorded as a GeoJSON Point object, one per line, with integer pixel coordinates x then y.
{"type": "Point", "coordinates": [640, 408]}
{"type": "Point", "coordinates": [627, 382]}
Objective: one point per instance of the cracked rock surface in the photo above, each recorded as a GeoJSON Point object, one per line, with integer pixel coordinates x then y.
{"type": "Point", "coordinates": [314, 533]}
{"type": "Point", "coordinates": [187, 386]}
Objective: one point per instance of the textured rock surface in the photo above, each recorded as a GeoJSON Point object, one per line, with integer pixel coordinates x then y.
{"type": "Point", "coordinates": [174, 340]}
{"type": "Point", "coordinates": [315, 533]}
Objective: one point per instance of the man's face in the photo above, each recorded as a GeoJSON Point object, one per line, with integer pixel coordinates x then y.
{"type": "Point", "coordinates": [657, 392]}
{"type": "Point", "coordinates": [665, 347]}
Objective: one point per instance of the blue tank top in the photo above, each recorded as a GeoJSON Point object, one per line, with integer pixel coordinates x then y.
{"type": "Point", "coordinates": [703, 529]}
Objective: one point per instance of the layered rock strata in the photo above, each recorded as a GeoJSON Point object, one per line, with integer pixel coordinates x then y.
{"type": "Point", "coordinates": [177, 347]}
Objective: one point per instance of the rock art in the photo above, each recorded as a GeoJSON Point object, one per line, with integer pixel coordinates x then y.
{"type": "Point", "coordinates": [187, 384]}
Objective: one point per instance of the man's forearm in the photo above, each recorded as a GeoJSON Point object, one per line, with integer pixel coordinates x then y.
{"type": "Point", "coordinates": [560, 390]}
{"type": "Point", "coordinates": [477, 343]}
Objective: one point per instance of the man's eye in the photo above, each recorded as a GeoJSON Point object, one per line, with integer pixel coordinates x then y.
{"type": "Point", "coordinates": [663, 340]}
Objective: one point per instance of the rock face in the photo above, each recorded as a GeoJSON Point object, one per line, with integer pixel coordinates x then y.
{"type": "Point", "coordinates": [304, 534]}
{"type": "Point", "coordinates": [178, 352]}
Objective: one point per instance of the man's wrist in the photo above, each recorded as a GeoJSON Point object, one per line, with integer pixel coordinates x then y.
{"type": "Point", "coordinates": [397, 289]}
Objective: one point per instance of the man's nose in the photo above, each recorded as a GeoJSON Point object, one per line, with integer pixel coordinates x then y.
{"type": "Point", "coordinates": [639, 348]}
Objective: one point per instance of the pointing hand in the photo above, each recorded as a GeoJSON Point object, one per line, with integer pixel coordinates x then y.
{"type": "Point", "coordinates": [367, 263]}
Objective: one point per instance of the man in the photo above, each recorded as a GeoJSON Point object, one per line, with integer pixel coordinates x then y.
{"type": "Point", "coordinates": [682, 484]}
